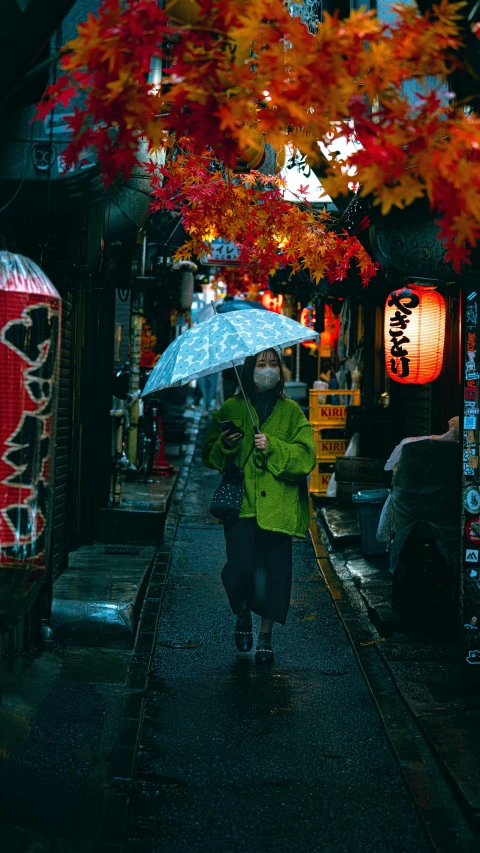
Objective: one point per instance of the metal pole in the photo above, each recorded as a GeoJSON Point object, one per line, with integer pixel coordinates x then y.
{"type": "Point", "coordinates": [135, 354]}
{"type": "Point", "coordinates": [255, 428]}
{"type": "Point", "coordinates": [143, 266]}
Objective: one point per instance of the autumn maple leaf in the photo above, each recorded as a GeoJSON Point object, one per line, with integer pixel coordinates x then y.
{"type": "Point", "coordinates": [240, 74]}
{"type": "Point", "coordinates": [44, 108]}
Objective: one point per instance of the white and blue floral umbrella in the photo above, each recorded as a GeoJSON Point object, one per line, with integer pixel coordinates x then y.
{"type": "Point", "coordinates": [223, 341]}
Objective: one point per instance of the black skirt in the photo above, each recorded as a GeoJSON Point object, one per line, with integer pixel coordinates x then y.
{"type": "Point", "coordinates": [258, 569]}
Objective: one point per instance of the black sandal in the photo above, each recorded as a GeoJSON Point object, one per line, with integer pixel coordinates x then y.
{"type": "Point", "coordinates": [264, 651]}
{"type": "Point", "coordinates": [243, 631]}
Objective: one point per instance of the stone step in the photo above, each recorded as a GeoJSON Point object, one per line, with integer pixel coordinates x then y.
{"type": "Point", "coordinates": [342, 526]}
{"type": "Point", "coordinates": [139, 519]}
{"type": "Point", "coordinates": [97, 599]}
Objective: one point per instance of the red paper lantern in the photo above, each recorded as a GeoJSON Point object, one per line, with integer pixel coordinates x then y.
{"type": "Point", "coordinates": [29, 352]}
{"type": "Point", "coordinates": [307, 316]}
{"type": "Point", "coordinates": [332, 327]}
{"type": "Point", "coordinates": [307, 319]}
{"type": "Point", "coordinates": [414, 334]}
{"type": "Point", "coordinates": [272, 302]}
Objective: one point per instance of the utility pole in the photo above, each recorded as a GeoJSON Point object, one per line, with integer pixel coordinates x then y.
{"type": "Point", "coordinates": [135, 354]}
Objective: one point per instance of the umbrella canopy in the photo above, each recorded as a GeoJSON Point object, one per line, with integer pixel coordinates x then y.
{"type": "Point", "coordinates": [238, 305]}
{"type": "Point", "coordinates": [223, 306]}
{"type": "Point", "coordinates": [223, 340]}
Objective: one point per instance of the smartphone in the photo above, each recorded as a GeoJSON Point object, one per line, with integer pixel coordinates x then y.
{"type": "Point", "coordinates": [230, 427]}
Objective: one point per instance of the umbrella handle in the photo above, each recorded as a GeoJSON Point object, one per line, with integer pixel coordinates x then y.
{"type": "Point", "coordinates": [260, 461]}
{"type": "Point", "coordinates": [255, 427]}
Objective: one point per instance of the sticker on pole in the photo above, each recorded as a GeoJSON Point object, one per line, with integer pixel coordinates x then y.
{"type": "Point", "coordinates": [472, 530]}
{"type": "Point", "coordinates": [471, 555]}
{"type": "Point", "coordinates": [471, 499]}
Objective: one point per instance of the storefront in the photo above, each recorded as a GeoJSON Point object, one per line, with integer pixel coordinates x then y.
{"type": "Point", "coordinates": [398, 352]}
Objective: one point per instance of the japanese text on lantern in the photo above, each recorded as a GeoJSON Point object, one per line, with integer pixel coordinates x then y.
{"type": "Point", "coordinates": [405, 302]}
{"type": "Point", "coordinates": [33, 338]}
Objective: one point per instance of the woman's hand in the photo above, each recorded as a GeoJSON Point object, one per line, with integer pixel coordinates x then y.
{"type": "Point", "coordinates": [261, 441]}
{"type": "Point", "coordinates": [231, 439]}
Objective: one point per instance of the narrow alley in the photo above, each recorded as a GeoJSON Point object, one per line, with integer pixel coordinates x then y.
{"type": "Point", "coordinates": [183, 744]}
{"type": "Point", "coordinates": [247, 759]}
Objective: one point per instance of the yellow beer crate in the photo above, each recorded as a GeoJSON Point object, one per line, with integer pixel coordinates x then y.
{"type": "Point", "coordinates": [320, 476]}
{"type": "Point", "coordinates": [323, 413]}
{"type": "Point", "coordinates": [328, 447]}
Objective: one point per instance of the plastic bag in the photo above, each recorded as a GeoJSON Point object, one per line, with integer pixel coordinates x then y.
{"type": "Point", "coordinates": [321, 385]}
{"type": "Point", "coordinates": [451, 435]}
{"type": "Point", "coordinates": [353, 449]}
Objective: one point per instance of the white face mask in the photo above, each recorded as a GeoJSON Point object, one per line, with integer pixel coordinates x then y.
{"type": "Point", "coordinates": [266, 378]}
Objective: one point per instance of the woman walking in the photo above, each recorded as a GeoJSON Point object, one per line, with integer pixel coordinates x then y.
{"type": "Point", "coordinates": [258, 574]}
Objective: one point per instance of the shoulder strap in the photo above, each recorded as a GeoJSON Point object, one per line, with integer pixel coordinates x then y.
{"type": "Point", "coordinates": [248, 457]}
{"type": "Point", "coordinates": [231, 464]}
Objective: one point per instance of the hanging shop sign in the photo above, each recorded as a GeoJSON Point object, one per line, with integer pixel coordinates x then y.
{"type": "Point", "coordinates": [56, 124]}
{"type": "Point", "coordinates": [272, 302]}
{"type": "Point", "coordinates": [222, 253]}
{"type": "Point", "coordinates": [414, 335]}
{"type": "Point", "coordinates": [29, 352]}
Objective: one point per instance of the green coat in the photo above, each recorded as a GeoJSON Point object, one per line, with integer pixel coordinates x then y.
{"type": "Point", "coordinates": [276, 496]}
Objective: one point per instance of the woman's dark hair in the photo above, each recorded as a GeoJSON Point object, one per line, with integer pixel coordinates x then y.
{"type": "Point", "coordinates": [247, 375]}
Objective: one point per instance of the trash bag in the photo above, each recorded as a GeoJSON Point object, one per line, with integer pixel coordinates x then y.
{"type": "Point", "coordinates": [353, 449]}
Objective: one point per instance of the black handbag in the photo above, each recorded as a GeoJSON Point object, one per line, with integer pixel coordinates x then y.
{"type": "Point", "coordinates": [227, 497]}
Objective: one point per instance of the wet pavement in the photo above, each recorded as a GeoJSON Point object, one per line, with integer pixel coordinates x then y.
{"type": "Point", "coordinates": [58, 722]}
{"type": "Point", "coordinates": [244, 759]}
{"type": "Point", "coordinates": [65, 709]}
{"type": "Point", "coordinates": [182, 744]}
{"type": "Point", "coordinates": [424, 658]}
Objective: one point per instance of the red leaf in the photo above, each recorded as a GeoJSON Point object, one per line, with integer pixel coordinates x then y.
{"type": "Point", "coordinates": [43, 109]}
